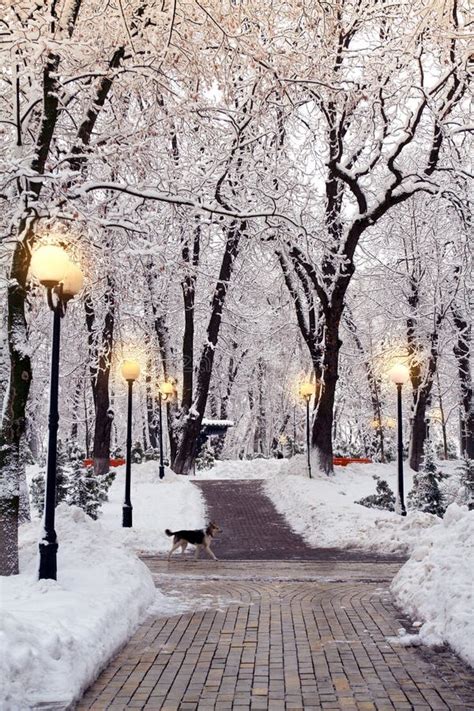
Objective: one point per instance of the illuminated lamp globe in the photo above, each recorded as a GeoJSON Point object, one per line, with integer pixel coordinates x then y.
{"type": "Point", "coordinates": [399, 374]}
{"type": "Point", "coordinates": [166, 389]}
{"type": "Point", "coordinates": [49, 264]}
{"type": "Point", "coordinates": [307, 390]}
{"type": "Point", "coordinates": [130, 370]}
{"type": "Point", "coordinates": [73, 281]}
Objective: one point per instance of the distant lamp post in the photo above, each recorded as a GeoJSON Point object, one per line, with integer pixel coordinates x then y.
{"type": "Point", "coordinates": [165, 391]}
{"type": "Point", "coordinates": [130, 370]}
{"type": "Point", "coordinates": [63, 279]}
{"type": "Point", "coordinates": [399, 375]}
{"type": "Point", "coordinates": [307, 390]}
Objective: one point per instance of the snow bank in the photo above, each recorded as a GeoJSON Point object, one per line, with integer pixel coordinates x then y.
{"type": "Point", "coordinates": [323, 512]}
{"type": "Point", "coordinates": [56, 636]}
{"type": "Point", "coordinates": [436, 585]}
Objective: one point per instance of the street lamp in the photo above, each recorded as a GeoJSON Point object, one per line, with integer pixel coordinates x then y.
{"type": "Point", "coordinates": [130, 372]}
{"type": "Point", "coordinates": [307, 390]}
{"type": "Point", "coordinates": [63, 279]}
{"type": "Point", "coordinates": [399, 375]}
{"type": "Point", "coordinates": [165, 390]}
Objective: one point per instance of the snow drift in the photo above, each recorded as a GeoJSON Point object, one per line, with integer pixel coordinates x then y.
{"type": "Point", "coordinates": [436, 584]}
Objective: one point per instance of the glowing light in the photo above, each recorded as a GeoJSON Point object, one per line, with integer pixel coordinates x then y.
{"type": "Point", "coordinates": [307, 389]}
{"type": "Point", "coordinates": [50, 265]}
{"type": "Point", "coordinates": [399, 374]}
{"type": "Point", "coordinates": [130, 370]}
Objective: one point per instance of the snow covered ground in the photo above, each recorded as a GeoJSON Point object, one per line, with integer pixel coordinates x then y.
{"type": "Point", "coordinates": [172, 502]}
{"type": "Point", "coordinates": [241, 469]}
{"type": "Point", "coordinates": [55, 636]}
{"type": "Point", "coordinates": [322, 509]}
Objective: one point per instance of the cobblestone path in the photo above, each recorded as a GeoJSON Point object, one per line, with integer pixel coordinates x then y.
{"type": "Point", "coordinates": [277, 635]}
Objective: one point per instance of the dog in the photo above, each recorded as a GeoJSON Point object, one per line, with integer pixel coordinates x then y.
{"type": "Point", "coordinates": [200, 538]}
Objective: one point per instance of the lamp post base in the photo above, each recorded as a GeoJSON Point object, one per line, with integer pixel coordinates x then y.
{"type": "Point", "coordinates": [127, 516]}
{"type": "Point", "coordinates": [48, 561]}
{"type": "Point", "coordinates": [161, 471]}
{"type": "Point", "coordinates": [399, 506]}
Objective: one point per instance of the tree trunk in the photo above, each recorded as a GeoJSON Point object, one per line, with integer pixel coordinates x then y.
{"type": "Point", "coordinates": [232, 370]}
{"type": "Point", "coordinates": [259, 440]}
{"type": "Point", "coordinates": [422, 395]}
{"type": "Point", "coordinates": [462, 351]}
{"type": "Point", "coordinates": [419, 432]}
{"type": "Point", "coordinates": [75, 409]}
{"type": "Point", "coordinates": [187, 447]}
{"type": "Point", "coordinates": [321, 439]}
{"type": "Point", "coordinates": [101, 360]}
{"type": "Point", "coordinates": [14, 418]}
{"type": "Point", "coordinates": [150, 412]}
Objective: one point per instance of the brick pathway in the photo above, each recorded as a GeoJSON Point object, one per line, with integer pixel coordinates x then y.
{"type": "Point", "coordinates": [254, 530]}
{"type": "Point", "coordinates": [277, 635]}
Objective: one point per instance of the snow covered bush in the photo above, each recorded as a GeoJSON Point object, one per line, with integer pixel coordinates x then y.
{"type": "Point", "coordinates": [383, 498]}
{"type": "Point", "coordinates": [87, 490]}
{"type": "Point", "coordinates": [426, 495]}
{"type": "Point", "coordinates": [74, 451]}
{"type": "Point", "coordinates": [38, 483]}
{"type": "Point", "coordinates": [206, 459]}
{"type": "Point", "coordinates": [435, 585]}
{"type": "Point", "coordinates": [137, 452]}
{"type": "Point", "coordinates": [466, 490]}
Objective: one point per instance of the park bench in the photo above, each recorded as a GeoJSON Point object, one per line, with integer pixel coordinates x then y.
{"type": "Point", "coordinates": [117, 462]}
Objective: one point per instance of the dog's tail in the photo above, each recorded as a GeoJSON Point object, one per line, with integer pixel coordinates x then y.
{"type": "Point", "coordinates": [168, 532]}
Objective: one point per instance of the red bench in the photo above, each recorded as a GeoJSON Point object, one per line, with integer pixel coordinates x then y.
{"type": "Point", "coordinates": [112, 462]}
{"type": "Point", "coordinates": [344, 461]}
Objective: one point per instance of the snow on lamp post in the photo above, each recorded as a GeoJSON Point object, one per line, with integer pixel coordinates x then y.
{"type": "Point", "coordinates": [130, 372]}
{"type": "Point", "coordinates": [399, 375]}
{"type": "Point", "coordinates": [165, 391]}
{"type": "Point", "coordinates": [63, 279]}
{"type": "Point", "coordinates": [307, 390]}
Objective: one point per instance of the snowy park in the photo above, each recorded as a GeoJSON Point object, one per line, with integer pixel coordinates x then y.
{"type": "Point", "coordinates": [236, 324]}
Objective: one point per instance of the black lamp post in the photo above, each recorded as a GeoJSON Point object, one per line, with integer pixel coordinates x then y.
{"type": "Point", "coordinates": [307, 390]}
{"type": "Point", "coordinates": [165, 390]}
{"type": "Point", "coordinates": [399, 375]}
{"type": "Point", "coordinates": [62, 280]}
{"type": "Point", "coordinates": [130, 372]}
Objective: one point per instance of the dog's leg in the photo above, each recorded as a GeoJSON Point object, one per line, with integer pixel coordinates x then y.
{"type": "Point", "coordinates": [173, 548]}
{"type": "Point", "coordinates": [210, 553]}
{"type": "Point", "coordinates": [184, 545]}
{"type": "Point", "coordinates": [198, 550]}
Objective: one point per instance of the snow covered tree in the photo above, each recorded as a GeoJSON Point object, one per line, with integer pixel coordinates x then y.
{"type": "Point", "coordinates": [368, 138]}
{"type": "Point", "coordinates": [425, 494]}
{"type": "Point", "coordinates": [38, 483]}
{"type": "Point", "coordinates": [230, 174]}
{"type": "Point", "coordinates": [466, 491]}
{"type": "Point", "coordinates": [206, 458]}
{"type": "Point", "coordinates": [85, 489]}
{"type": "Point", "coordinates": [137, 452]}
{"type": "Point", "coordinates": [382, 499]}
